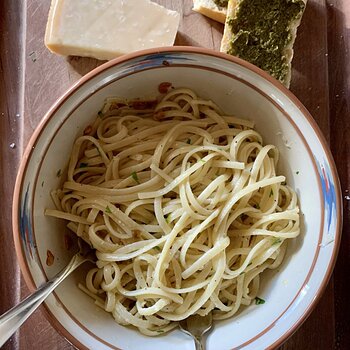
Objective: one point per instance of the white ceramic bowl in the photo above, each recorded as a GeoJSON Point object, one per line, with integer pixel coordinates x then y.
{"type": "Point", "coordinates": [239, 88]}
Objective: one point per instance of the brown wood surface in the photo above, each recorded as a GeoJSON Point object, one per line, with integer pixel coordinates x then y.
{"type": "Point", "coordinates": [31, 79]}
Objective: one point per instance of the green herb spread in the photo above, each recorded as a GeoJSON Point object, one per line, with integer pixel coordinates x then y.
{"type": "Point", "coordinates": [261, 32]}
{"type": "Point", "coordinates": [221, 3]}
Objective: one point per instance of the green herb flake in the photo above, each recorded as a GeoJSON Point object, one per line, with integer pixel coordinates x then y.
{"type": "Point", "coordinates": [259, 301]}
{"type": "Point", "coordinates": [271, 193]}
{"type": "Point", "coordinates": [202, 161]}
{"type": "Point", "coordinates": [160, 331]}
{"type": "Point", "coordinates": [167, 218]}
{"type": "Point", "coordinates": [108, 210]}
{"type": "Point", "coordinates": [277, 240]}
{"type": "Point", "coordinates": [135, 177]}
{"type": "Point", "coordinates": [297, 172]}
{"type": "Point", "coordinates": [188, 141]}
{"type": "Point", "coordinates": [83, 165]}
{"type": "Point", "coordinates": [59, 173]}
{"type": "Point", "coordinates": [249, 264]}
{"type": "Point", "coordinates": [157, 248]}
{"type": "Point", "coordinates": [257, 206]}
{"type": "Point", "coordinates": [42, 184]}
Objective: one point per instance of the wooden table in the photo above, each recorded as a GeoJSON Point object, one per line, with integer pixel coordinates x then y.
{"type": "Point", "coordinates": [31, 79]}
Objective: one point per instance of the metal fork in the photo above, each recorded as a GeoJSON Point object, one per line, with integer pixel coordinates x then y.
{"type": "Point", "coordinates": [11, 320]}
{"type": "Point", "coordinates": [196, 326]}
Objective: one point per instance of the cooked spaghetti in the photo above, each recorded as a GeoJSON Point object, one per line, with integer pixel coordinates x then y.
{"type": "Point", "coordinates": [183, 206]}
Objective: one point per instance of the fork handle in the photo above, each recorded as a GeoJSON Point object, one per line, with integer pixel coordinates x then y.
{"type": "Point", "coordinates": [11, 320]}
{"type": "Point", "coordinates": [198, 343]}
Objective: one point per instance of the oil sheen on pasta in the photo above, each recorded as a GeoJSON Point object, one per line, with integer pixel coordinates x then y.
{"type": "Point", "coordinates": [183, 206]}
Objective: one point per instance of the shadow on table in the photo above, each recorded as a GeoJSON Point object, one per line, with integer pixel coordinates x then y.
{"type": "Point", "coordinates": [83, 65]}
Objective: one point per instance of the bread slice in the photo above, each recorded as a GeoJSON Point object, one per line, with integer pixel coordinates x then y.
{"type": "Point", "coordinates": [263, 32]}
{"type": "Point", "coordinates": [211, 9]}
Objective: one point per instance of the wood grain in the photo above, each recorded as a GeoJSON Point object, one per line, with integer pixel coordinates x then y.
{"type": "Point", "coordinates": [339, 92]}
{"type": "Point", "coordinates": [321, 80]}
{"type": "Point", "coordinates": [10, 120]}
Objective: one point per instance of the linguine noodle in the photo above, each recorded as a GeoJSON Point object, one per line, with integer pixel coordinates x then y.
{"type": "Point", "coordinates": [183, 206]}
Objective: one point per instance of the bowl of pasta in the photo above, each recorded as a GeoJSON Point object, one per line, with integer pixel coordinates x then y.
{"type": "Point", "coordinates": [202, 184]}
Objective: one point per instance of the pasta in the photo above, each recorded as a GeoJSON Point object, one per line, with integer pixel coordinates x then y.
{"type": "Point", "coordinates": [183, 206]}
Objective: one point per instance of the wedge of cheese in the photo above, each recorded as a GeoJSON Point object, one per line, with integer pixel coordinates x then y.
{"type": "Point", "coordinates": [214, 9]}
{"type": "Point", "coordinates": [105, 29]}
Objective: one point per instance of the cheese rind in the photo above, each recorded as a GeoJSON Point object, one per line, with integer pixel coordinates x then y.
{"type": "Point", "coordinates": [105, 29]}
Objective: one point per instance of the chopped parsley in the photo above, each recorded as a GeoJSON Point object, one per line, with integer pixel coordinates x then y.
{"type": "Point", "coordinates": [271, 193]}
{"type": "Point", "coordinates": [257, 206]}
{"type": "Point", "coordinates": [259, 301]}
{"type": "Point", "coordinates": [157, 248]}
{"type": "Point", "coordinates": [135, 177]}
{"type": "Point", "coordinates": [83, 165]}
{"type": "Point", "coordinates": [167, 218]}
{"type": "Point", "coordinates": [277, 240]}
{"type": "Point", "coordinates": [59, 173]}
{"type": "Point", "coordinates": [202, 161]}
{"type": "Point", "coordinates": [160, 331]}
{"type": "Point", "coordinates": [107, 210]}
{"type": "Point", "coordinates": [297, 172]}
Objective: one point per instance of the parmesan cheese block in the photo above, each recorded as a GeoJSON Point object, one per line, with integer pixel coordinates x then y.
{"type": "Point", "coordinates": [211, 8]}
{"type": "Point", "coordinates": [105, 29]}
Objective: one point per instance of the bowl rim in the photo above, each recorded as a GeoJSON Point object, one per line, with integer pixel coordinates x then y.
{"type": "Point", "coordinates": [176, 49]}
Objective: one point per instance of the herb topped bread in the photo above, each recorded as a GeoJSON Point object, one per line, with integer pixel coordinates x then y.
{"type": "Point", "coordinates": [263, 32]}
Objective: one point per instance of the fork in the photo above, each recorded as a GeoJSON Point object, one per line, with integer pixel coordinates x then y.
{"type": "Point", "coordinates": [11, 320]}
{"type": "Point", "coordinates": [196, 326]}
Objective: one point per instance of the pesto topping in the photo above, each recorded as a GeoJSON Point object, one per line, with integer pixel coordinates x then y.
{"type": "Point", "coordinates": [261, 32]}
{"type": "Point", "coordinates": [259, 301]}
{"type": "Point", "coordinates": [135, 177]}
{"type": "Point", "coordinates": [221, 3]}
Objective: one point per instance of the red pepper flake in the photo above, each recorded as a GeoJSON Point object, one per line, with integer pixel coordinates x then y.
{"type": "Point", "coordinates": [158, 115]}
{"type": "Point", "coordinates": [49, 258]}
{"type": "Point", "coordinates": [140, 105]}
{"type": "Point", "coordinates": [136, 234]}
{"type": "Point", "coordinates": [117, 105]}
{"type": "Point", "coordinates": [163, 88]}
{"type": "Point", "coordinates": [88, 130]}
{"type": "Point", "coordinates": [68, 242]}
